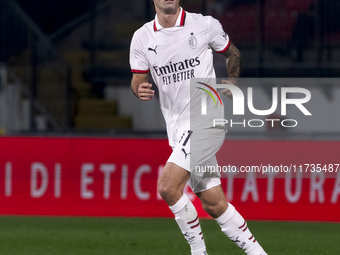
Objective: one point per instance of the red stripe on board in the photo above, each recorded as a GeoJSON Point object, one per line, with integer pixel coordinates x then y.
{"type": "Point", "coordinates": [81, 188]}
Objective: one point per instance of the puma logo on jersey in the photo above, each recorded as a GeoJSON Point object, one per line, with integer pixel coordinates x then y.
{"type": "Point", "coordinates": [154, 50]}
{"type": "Point", "coordinates": [186, 154]}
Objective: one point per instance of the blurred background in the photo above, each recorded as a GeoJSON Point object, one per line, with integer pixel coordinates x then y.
{"type": "Point", "coordinates": [64, 65]}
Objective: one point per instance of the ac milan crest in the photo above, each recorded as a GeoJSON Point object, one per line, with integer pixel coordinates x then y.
{"type": "Point", "coordinates": [192, 41]}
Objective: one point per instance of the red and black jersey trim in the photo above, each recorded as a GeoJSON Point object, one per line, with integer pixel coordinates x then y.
{"type": "Point", "coordinates": [183, 18]}
{"type": "Point", "coordinates": [139, 71]}
{"type": "Point", "coordinates": [154, 26]}
{"type": "Point", "coordinates": [182, 22]}
{"type": "Point", "coordinates": [225, 49]}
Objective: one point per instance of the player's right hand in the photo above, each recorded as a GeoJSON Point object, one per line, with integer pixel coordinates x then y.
{"type": "Point", "coordinates": [145, 92]}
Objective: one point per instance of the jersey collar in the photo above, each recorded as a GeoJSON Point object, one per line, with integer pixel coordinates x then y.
{"type": "Point", "coordinates": [179, 22]}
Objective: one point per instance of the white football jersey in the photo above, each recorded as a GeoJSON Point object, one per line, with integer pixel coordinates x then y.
{"type": "Point", "coordinates": [175, 55]}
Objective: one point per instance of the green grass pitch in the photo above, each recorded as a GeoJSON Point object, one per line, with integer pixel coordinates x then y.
{"type": "Point", "coordinates": [130, 236]}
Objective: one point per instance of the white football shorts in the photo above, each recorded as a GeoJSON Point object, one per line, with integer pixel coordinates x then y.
{"type": "Point", "coordinates": [195, 152]}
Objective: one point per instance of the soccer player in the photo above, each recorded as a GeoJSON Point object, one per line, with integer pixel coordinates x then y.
{"type": "Point", "coordinates": [175, 47]}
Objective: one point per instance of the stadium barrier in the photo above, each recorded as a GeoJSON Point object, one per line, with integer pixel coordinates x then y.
{"type": "Point", "coordinates": [118, 177]}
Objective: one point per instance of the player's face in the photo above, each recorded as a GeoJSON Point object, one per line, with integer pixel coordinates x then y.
{"type": "Point", "coordinates": [166, 6]}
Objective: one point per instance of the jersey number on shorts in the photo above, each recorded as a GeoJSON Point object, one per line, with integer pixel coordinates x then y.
{"type": "Point", "coordinates": [185, 137]}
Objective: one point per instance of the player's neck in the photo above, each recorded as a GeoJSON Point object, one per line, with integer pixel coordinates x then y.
{"type": "Point", "coordinates": [167, 20]}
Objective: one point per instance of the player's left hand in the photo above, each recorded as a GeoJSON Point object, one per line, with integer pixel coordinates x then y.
{"type": "Point", "coordinates": [227, 92]}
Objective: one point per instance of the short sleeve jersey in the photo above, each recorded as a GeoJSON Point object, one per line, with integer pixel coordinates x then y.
{"type": "Point", "coordinates": [175, 55]}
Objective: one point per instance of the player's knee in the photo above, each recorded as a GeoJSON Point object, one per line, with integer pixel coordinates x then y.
{"type": "Point", "coordinates": [215, 210]}
{"type": "Point", "coordinates": [168, 192]}
{"type": "Point", "coordinates": [164, 190]}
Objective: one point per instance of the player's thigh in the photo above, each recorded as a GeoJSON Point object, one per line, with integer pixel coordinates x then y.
{"type": "Point", "coordinates": [213, 201]}
{"type": "Point", "coordinates": [172, 179]}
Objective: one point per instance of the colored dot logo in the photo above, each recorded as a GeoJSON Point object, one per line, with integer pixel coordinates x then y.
{"type": "Point", "coordinates": [210, 93]}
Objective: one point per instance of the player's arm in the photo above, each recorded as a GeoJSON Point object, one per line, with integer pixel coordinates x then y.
{"type": "Point", "coordinates": [233, 62]}
{"type": "Point", "coordinates": [140, 86]}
